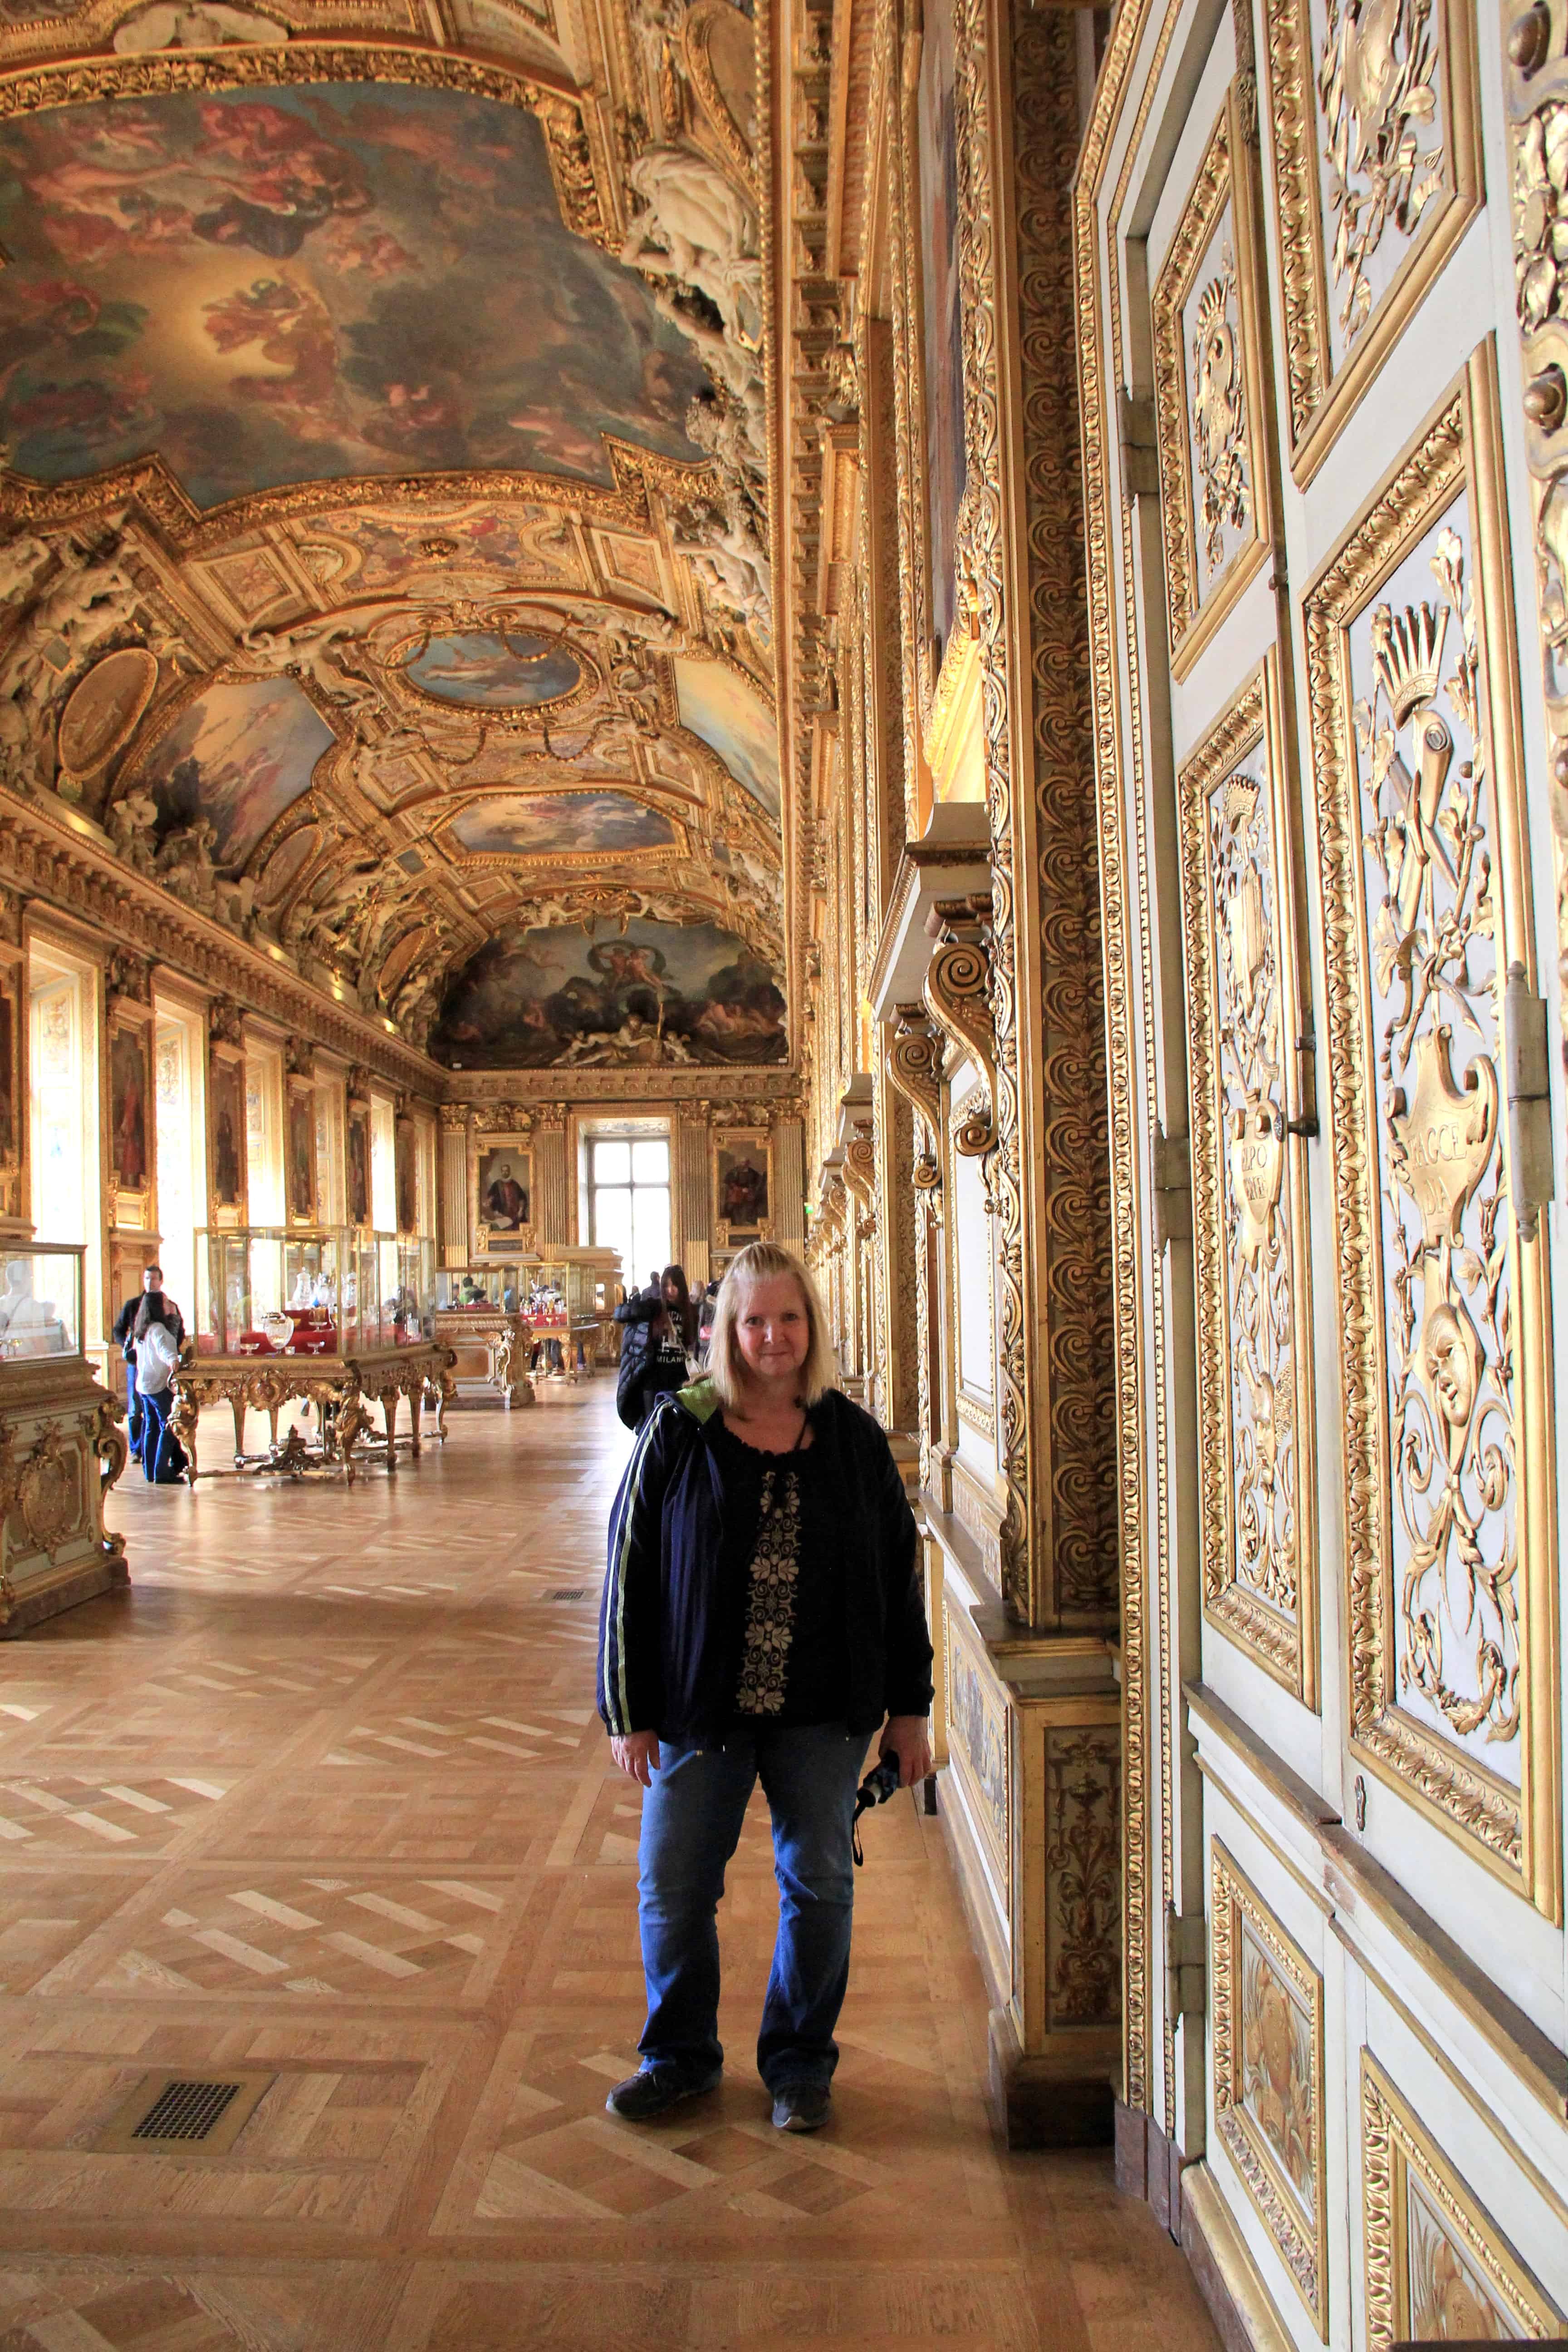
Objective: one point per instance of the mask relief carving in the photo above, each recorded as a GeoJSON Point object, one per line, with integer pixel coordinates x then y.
{"type": "Point", "coordinates": [1254, 1395]}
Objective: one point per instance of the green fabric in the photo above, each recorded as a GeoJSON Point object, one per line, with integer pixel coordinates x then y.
{"type": "Point", "coordinates": [701, 1399]}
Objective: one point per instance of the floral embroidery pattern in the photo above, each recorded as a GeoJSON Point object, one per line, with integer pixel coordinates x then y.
{"type": "Point", "coordinates": [770, 1606]}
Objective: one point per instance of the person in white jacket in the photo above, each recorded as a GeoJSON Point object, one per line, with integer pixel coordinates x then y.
{"type": "Point", "coordinates": [163, 1462]}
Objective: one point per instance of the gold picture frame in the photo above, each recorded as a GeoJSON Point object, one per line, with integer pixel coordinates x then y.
{"type": "Point", "coordinates": [1238, 815]}
{"type": "Point", "coordinates": [132, 1124]}
{"type": "Point", "coordinates": [743, 1209]}
{"type": "Point", "coordinates": [498, 1159]}
{"type": "Point", "coordinates": [1212, 403]}
{"type": "Point", "coordinates": [1268, 2074]}
{"type": "Point", "coordinates": [1442, 1345]}
{"type": "Point", "coordinates": [1309, 116]}
{"type": "Point", "coordinates": [1437, 2263]}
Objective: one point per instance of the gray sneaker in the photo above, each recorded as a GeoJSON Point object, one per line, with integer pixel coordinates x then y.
{"type": "Point", "coordinates": [653, 2090]}
{"type": "Point", "coordinates": [802, 2106]}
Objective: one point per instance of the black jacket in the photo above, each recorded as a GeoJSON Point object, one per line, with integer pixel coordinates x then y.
{"type": "Point", "coordinates": [670, 1622]}
{"type": "Point", "coordinates": [639, 1353]}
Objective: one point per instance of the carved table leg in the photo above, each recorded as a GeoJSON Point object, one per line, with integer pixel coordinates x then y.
{"type": "Point", "coordinates": [237, 1406]}
{"type": "Point", "coordinates": [184, 1414]}
{"type": "Point", "coordinates": [389, 1410]}
{"type": "Point", "coordinates": [414, 1397]}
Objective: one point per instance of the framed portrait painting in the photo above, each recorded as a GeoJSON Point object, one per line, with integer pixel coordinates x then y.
{"type": "Point", "coordinates": [741, 1186]}
{"type": "Point", "coordinates": [405, 1171]}
{"type": "Point", "coordinates": [302, 1155]}
{"type": "Point", "coordinates": [130, 1099]}
{"type": "Point", "coordinates": [357, 1171]}
{"type": "Point", "coordinates": [505, 1192]}
{"type": "Point", "coordinates": [226, 1114]}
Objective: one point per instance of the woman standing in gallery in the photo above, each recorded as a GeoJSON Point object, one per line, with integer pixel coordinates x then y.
{"type": "Point", "coordinates": [761, 1620]}
{"type": "Point", "coordinates": [157, 1346]}
{"type": "Point", "coordinates": [660, 1338]}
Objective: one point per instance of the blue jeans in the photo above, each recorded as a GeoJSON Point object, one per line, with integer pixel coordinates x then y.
{"type": "Point", "coordinates": [132, 1411]}
{"type": "Point", "coordinates": [163, 1458]}
{"type": "Point", "coordinates": [691, 1819]}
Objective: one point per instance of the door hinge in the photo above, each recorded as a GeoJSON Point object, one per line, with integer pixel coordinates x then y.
{"type": "Point", "coordinates": [1186, 1964]}
{"type": "Point", "coordinates": [1172, 1200]}
{"type": "Point", "coordinates": [1140, 451]}
{"type": "Point", "coordinates": [1527, 1083]}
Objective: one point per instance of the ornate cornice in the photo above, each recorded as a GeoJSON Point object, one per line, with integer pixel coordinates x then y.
{"type": "Point", "coordinates": [53, 863]}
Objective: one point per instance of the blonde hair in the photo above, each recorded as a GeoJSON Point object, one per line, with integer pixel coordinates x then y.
{"type": "Point", "coordinates": [761, 1263]}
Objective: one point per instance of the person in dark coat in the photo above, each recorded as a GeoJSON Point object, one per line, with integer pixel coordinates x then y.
{"type": "Point", "coordinates": [660, 1335]}
{"type": "Point", "coordinates": [761, 1620]}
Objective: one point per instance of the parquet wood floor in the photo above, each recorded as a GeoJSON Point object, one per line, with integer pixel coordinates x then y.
{"type": "Point", "coordinates": [324, 1795]}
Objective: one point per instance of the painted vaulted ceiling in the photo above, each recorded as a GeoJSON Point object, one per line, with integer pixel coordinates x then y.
{"type": "Point", "coordinates": [384, 542]}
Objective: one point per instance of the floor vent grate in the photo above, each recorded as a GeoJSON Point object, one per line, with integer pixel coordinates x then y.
{"type": "Point", "coordinates": [201, 2115]}
{"type": "Point", "coordinates": [185, 2110]}
{"type": "Point", "coordinates": [569, 1592]}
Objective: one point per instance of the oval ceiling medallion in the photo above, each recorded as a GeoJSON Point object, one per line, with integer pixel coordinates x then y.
{"type": "Point", "coordinates": [102, 714]}
{"type": "Point", "coordinates": [479, 671]}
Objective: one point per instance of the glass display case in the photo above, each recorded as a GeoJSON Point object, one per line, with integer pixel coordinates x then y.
{"type": "Point", "coordinates": [41, 1302]}
{"type": "Point", "coordinates": [496, 1288]}
{"type": "Point", "coordinates": [262, 1290]}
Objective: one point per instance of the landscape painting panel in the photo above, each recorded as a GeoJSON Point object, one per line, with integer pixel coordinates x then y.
{"type": "Point", "coordinates": [733, 719]}
{"type": "Point", "coordinates": [652, 991]}
{"type": "Point", "coordinates": [558, 824]}
{"type": "Point", "coordinates": [304, 285]}
{"type": "Point", "coordinates": [238, 756]}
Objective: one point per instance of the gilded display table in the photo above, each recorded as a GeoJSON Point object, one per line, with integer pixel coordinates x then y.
{"type": "Point", "coordinates": [340, 1388]}
{"type": "Point", "coordinates": [489, 1352]}
{"type": "Point", "coordinates": [61, 1450]}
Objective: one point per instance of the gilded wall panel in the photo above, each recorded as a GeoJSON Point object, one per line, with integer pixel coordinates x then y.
{"type": "Point", "coordinates": [1267, 2028]}
{"type": "Point", "coordinates": [1083, 1865]}
{"type": "Point", "coordinates": [1536, 79]}
{"type": "Point", "coordinates": [1377, 173]}
{"type": "Point", "coordinates": [1443, 1300]}
{"type": "Point", "coordinates": [1437, 2263]}
{"type": "Point", "coordinates": [1250, 1198]}
{"type": "Point", "coordinates": [1211, 400]}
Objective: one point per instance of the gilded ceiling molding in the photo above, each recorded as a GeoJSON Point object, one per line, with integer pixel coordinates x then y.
{"type": "Point", "coordinates": [48, 859]}
{"type": "Point", "coordinates": [579, 172]}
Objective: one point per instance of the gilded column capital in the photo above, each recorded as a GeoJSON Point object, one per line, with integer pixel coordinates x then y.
{"type": "Point", "coordinates": [226, 1021]}
{"type": "Point", "coordinates": [454, 1116]}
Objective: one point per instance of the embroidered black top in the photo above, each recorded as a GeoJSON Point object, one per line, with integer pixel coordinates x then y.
{"type": "Point", "coordinates": [794, 1632]}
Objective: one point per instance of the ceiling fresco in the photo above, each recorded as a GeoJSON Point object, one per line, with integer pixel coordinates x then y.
{"type": "Point", "coordinates": [386, 548]}
{"type": "Point", "coordinates": [312, 283]}
{"type": "Point", "coordinates": [560, 825]}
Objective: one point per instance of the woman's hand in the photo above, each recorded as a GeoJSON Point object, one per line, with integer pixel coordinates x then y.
{"type": "Point", "coordinates": [906, 1737]}
{"type": "Point", "coordinates": [638, 1756]}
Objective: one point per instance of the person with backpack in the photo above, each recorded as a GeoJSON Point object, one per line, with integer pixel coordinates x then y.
{"type": "Point", "coordinates": [660, 1340]}
{"type": "Point", "coordinates": [761, 1620]}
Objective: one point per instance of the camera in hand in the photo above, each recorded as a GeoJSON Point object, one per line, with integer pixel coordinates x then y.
{"type": "Point", "coordinates": [878, 1786]}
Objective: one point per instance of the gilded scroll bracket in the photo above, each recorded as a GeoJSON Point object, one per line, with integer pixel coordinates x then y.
{"type": "Point", "coordinates": [958, 994]}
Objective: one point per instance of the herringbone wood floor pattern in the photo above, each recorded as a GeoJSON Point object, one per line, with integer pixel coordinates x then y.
{"type": "Point", "coordinates": [324, 1795]}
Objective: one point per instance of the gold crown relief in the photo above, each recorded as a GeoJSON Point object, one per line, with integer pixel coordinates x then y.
{"type": "Point", "coordinates": [1407, 649]}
